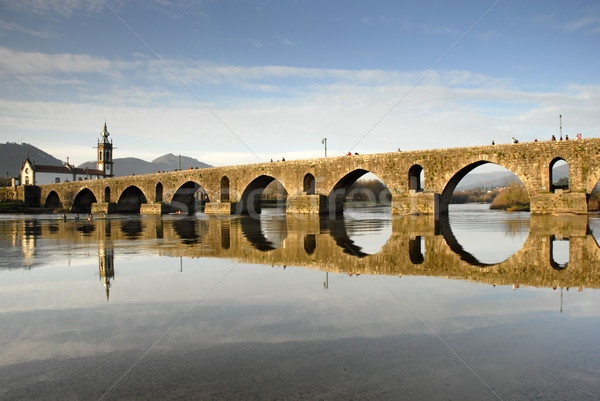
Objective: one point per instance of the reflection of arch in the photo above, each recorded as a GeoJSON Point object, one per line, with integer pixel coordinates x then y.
{"type": "Point", "coordinates": [455, 246]}
{"type": "Point", "coordinates": [158, 193]}
{"type": "Point", "coordinates": [86, 229]}
{"type": "Point", "coordinates": [560, 265]}
{"type": "Point", "coordinates": [451, 185]}
{"type": "Point", "coordinates": [309, 184]}
{"type": "Point", "coordinates": [187, 196]}
{"type": "Point", "coordinates": [83, 201]}
{"type": "Point", "coordinates": [250, 199]}
{"type": "Point", "coordinates": [415, 250]}
{"type": "Point", "coordinates": [189, 230]}
{"type": "Point", "coordinates": [253, 233]}
{"type": "Point", "coordinates": [225, 189]}
{"type": "Point", "coordinates": [107, 194]}
{"type": "Point", "coordinates": [337, 230]}
{"type": "Point", "coordinates": [414, 178]}
{"type": "Point", "coordinates": [52, 201]}
{"type": "Point", "coordinates": [131, 200]}
{"type": "Point", "coordinates": [132, 228]}
{"type": "Point", "coordinates": [225, 234]}
{"type": "Point", "coordinates": [560, 184]}
{"type": "Point", "coordinates": [310, 243]}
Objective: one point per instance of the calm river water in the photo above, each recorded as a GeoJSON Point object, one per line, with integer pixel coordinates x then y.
{"type": "Point", "coordinates": [484, 305]}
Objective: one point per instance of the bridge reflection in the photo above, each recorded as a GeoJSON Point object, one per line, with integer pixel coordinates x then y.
{"type": "Point", "coordinates": [418, 246]}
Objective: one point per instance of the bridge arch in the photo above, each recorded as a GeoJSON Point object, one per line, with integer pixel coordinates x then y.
{"type": "Point", "coordinates": [415, 178]}
{"type": "Point", "coordinates": [158, 192]}
{"type": "Point", "coordinates": [187, 196]}
{"type": "Point", "coordinates": [556, 183]}
{"type": "Point", "coordinates": [344, 189]}
{"type": "Point", "coordinates": [250, 199]}
{"type": "Point", "coordinates": [460, 174]}
{"type": "Point", "coordinates": [131, 200]}
{"type": "Point", "coordinates": [308, 184]}
{"type": "Point", "coordinates": [224, 189]}
{"type": "Point", "coordinates": [52, 201]}
{"type": "Point", "coordinates": [83, 201]}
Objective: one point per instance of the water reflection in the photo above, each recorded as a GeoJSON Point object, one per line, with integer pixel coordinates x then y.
{"type": "Point", "coordinates": [127, 316]}
{"type": "Point", "coordinates": [554, 250]}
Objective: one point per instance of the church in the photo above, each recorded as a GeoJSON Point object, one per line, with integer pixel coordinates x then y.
{"type": "Point", "coordinates": [38, 174]}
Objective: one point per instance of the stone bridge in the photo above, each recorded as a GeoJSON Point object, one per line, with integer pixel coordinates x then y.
{"type": "Point", "coordinates": [420, 182]}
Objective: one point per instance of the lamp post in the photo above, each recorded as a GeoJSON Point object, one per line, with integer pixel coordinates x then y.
{"type": "Point", "coordinates": [324, 142]}
{"type": "Point", "coordinates": [560, 124]}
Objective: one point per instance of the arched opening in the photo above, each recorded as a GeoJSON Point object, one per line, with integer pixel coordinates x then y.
{"type": "Point", "coordinates": [189, 198]}
{"type": "Point", "coordinates": [309, 184]}
{"type": "Point", "coordinates": [131, 200]}
{"type": "Point", "coordinates": [264, 191]}
{"type": "Point", "coordinates": [107, 194]}
{"type": "Point", "coordinates": [484, 185]}
{"type": "Point", "coordinates": [158, 197]}
{"type": "Point", "coordinates": [359, 191]}
{"type": "Point", "coordinates": [52, 201]}
{"type": "Point", "coordinates": [559, 252]}
{"type": "Point", "coordinates": [416, 177]}
{"type": "Point", "coordinates": [225, 189]}
{"type": "Point", "coordinates": [83, 201]}
{"type": "Point", "coordinates": [559, 175]}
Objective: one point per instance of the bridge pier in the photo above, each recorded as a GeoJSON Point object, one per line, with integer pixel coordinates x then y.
{"type": "Point", "coordinates": [104, 207]}
{"type": "Point", "coordinates": [155, 208]}
{"type": "Point", "coordinates": [559, 202]}
{"type": "Point", "coordinates": [416, 203]}
{"type": "Point", "coordinates": [306, 204]}
{"type": "Point", "coordinates": [222, 208]}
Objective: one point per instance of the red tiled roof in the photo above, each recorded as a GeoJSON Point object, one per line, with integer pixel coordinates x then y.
{"type": "Point", "coordinates": [39, 168]}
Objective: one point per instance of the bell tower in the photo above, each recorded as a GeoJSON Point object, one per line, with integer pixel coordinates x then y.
{"type": "Point", "coordinates": [105, 154]}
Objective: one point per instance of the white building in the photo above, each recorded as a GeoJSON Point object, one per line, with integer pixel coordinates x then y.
{"type": "Point", "coordinates": [37, 174]}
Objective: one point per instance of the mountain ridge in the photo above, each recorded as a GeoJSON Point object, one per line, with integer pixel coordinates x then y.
{"type": "Point", "coordinates": [13, 154]}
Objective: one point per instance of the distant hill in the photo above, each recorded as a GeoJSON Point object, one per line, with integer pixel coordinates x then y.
{"type": "Point", "coordinates": [131, 165]}
{"type": "Point", "coordinates": [499, 179]}
{"type": "Point", "coordinates": [13, 154]}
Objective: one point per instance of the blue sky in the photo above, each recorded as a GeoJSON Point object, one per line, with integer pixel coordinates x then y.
{"type": "Point", "coordinates": [233, 82]}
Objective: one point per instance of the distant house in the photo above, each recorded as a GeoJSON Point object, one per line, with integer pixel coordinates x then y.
{"type": "Point", "coordinates": [37, 174]}
{"type": "Point", "coordinates": [32, 174]}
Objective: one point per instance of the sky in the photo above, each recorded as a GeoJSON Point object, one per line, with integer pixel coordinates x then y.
{"type": "Point", "coordinates": [235, 82]}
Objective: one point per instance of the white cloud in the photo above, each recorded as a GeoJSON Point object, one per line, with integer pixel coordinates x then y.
{"type": "Point", "coordinates": [11, 26]}
{"type": "Point", "coordinates": [274, 111]}
{"type": "Point", "coordinates": [61, 8]}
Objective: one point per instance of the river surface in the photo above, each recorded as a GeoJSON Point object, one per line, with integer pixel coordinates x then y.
{"type": "Point", "coordinates": [483, 305]}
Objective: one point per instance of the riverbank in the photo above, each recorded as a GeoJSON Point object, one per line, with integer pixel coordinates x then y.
{"type": "Point", "coordinates": [21, 208]}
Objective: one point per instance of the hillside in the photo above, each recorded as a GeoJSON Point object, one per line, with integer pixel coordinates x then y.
{"type": "Point", "coordinates": [13, 154]}
{"type": "Point", "coordinates": [131, 165]}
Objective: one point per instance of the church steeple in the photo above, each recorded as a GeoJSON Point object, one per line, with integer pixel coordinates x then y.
{"type": "Point", "coordinates": [105, 153]}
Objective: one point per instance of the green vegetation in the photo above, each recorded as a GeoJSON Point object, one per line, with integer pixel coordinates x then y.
{"type": "Point", "coordinates": [5, 182]}
{"type": "Point", "coordinates": [369, 190]}
{"type": "Point", "coordinates": [513, 198]}
{"type": "Point", "coordinates": [474, 196]}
